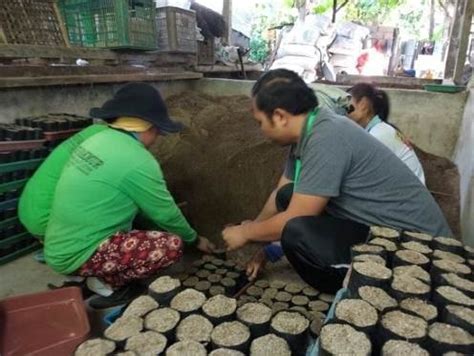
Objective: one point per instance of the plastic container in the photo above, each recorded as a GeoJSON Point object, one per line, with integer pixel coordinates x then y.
{"type": "Point", "coordinates": [47, 323]}
{"type": "Point", "coordinates": [117, 24]}
{"type": "Point", "coordinates": [176, 30]}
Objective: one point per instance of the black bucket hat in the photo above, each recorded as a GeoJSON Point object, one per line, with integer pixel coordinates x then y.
{"type": "Point", "coordinates": [142, 101]}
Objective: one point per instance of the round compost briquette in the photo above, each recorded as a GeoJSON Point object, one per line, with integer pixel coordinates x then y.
{"type": "Point", "coordinates": [141, 306]}
{"type": "Point", "coordinates": [373, 270]}
{"type": "Point", "coordinates": [269, 345]}
{"type": "Point", "coordinates": [270, 293]}
{"type": "Point", "coordinates": [303, 311]}
{"type": "Point", "coordinates": [445, 295]}
{"type": "Point", "coordinates": [203, 286]}
{"type": "Point", "coordinates": [450, 266]}
{"type": "Point", "coordinates": [232, 275]}
{"type": "Point", "coordinates": [183, 276]}
{"type": "Point", "coordinates": [211, 267]}
{"type": "Point", "coordinates": [412, 271]}
{"type": "Point", "coordinates": [277, 284]}
{"type": "Point", "coordinates": [254, 291]}
{"type": "Point", "coordinates": [226, 352]}
{"type": "Point", "coordinates": [310, 292]}
{"type": "Point", "coordinates": [283, 297]}
{"type": "Point", "coordinates": [377, 297]}
{"type": "Point", "coordinates": [293, 288]}
{"type": "Point", "coordinates": [186, 348]}
{"type": "Point", "coordinates": [262, 283]}
{"type": "Point", "coordinates": [401, 348]}
{"type": "Point", "coordinates": [444, 338]}
{"type": "Point", "coordinates": [219, 307]}
{"type": "Point", "coordinates": [418, 247]}
{"type": "Point", "coordinates": [315, 327]}
{"type": "Point", "coordinates": [199, 263]}
{"type": "Point", "coordinates": [405, 287]}
{"type": "Point", "coordinates": [325, 297]}
{"type": "Point", "coordinates": [125, 353]}
{"type": "Point", "coordinates": [95, 347]}
{"type": "Point", "coordinates": [229, 264]}
{"type": "Point", "coordinates": [410, 257]}
{"type": "Point", "coordinates": [459, 316]}
{"type": "Point", "coordinates": [339, 339]}
{"type": "Point", "coordinates": [385, 232]}
{"type": "Point", "coordinates": [218, 262]}
{"type": "Point", "coordinates": [390, 246]}
{"type": "Point", "coordinates": [448, 244]}
{"type": "Point", "coordinates": [194, 327]}
{"type": "Point", "coordinates": [207, 258]}
{"type": "Point", "coordinates": [124, 327]}
{"type": "Point", "coordinates": [164, 284]}
{"type": "Point", "coordinates": [203, 273]}
{"type": "Point", "coordinates": [162, 320]}
{"type": "Point", "coordinates": [417, 236]}
{"type": "Point", "coordinates": [247, 298]}
{"type": "Point", "coordinates": [368, 273]}
{"type": "Point", "coordinates": [216, 290]}
{"type": "Point", "coordinates": [289, 322]}
{"type": "Point", "coordinates": [366, 249]}
{"type": "Point", "coordinates": [316, 315]}
{"type": "Point", "coordinates": [188, 300]}
{"type": "Point", "coordinates": [405, 326]}
{"type": "Point", "coordinates": [445, 255]}
{"type": "Point", "coordinates": [356, 312]}
{"type": "Point", "coordinates": [464, 285]}
{"type": "Point", "coordinates": [190, 282]}
{"type": "Point", "coordinates": [267, 302]}
{"type": "Point", "coordinates": [221, 271]}
{"type": "Point", "coordinates": [214, 278]}
{"type": "Point", "coordinates": [279, 306]}
{"type": "Point", "coordinates": [147, 343]}
{"type": "Point", "coordinates": [230, 334]}
{"type": "Point", "coordinates": [254, 313]}
{"type": "Point", "coordinates": [369, 258]}
{"type": "Point", "coordinates": [318, 305]}
{"type": "Point", "coordinates": [420, 307]}
{"type": "Point", "coordinates": [300, 300]}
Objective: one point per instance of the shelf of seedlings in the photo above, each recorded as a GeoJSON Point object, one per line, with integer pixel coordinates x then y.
{"type": "Point", "coordinates": [212, 310]}
{"type": "Point", "coordinates": [408, 293]}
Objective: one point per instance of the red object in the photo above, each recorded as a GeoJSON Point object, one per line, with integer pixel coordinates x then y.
{"type": "Point", "coordinates": [133, 255]}
{"type": "Point", "coordinates": [43, 324]}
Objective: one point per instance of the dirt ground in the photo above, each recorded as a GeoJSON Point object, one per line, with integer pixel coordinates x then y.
{"type": "Point", "coordinates": [221, 164]}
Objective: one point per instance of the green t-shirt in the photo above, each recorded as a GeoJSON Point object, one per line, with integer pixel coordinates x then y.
{"type": "Point", "coordinates": [37, 196]}
{"type": "Point", "coordinates": [108, 180]}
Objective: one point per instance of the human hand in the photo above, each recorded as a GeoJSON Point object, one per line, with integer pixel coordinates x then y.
{"type": "Point", "coordinates": [204, 245]}
{"type": "Point", "coordinates": [234, 237]}
{"type": "Point", "coordinates": [257, 262]}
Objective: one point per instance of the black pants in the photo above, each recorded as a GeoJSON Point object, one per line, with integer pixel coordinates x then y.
{"type": "Point", "coordinates": [313, 244]}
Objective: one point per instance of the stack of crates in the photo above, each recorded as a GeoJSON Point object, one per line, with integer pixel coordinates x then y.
{"type": "Point", "coordinates": [114, 24]}
{"type": "Point", "coordinates": [176, 30]}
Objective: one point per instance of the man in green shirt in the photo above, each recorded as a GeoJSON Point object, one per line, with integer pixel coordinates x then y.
{"type": "Point", "coordinates": [108, 179]}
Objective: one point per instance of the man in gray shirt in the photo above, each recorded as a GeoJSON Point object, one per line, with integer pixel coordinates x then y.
{"type": "Point", "coordinates": [339, 180]}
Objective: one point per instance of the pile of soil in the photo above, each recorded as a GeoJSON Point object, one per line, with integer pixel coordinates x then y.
{"type": "Point", "coordinates": [221, 164]}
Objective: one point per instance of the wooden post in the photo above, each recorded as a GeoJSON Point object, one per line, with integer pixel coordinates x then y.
{"type": "Point", "coordinates": [227, 13]}
{"type": "Point", "coordinates": [454, 39]}
{"type": "Point", "coordinates": [465, 32]}
{"type": "Point", "coordinates": [394, 58]}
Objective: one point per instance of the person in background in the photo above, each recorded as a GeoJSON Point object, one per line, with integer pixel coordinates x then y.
{"type": "Point", "coordinates": [370, 108]}
{"type": "Point", "coordinates": [108, 179]}
{"type": "Point", "coordinates": [338, 181]}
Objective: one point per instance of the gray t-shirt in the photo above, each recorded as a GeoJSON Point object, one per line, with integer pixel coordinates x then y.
{"type": "Point", "coordinates": [364, 180]}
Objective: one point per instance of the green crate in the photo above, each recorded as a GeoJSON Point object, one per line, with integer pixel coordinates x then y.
{"type": "Point", "coordinates": [114, 24]}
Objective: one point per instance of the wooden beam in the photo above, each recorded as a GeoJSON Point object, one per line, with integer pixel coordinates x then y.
{"type": "Point", "coordinates": [29, 51]}
{"type": "Point", "coordinates": [227, 13]}
{"type": "Point", "coordinates": [454, 37]}
{"type": "Point", "coordinates": [464, 41]}
{"type": "Point", "coordinates": [16, 82]}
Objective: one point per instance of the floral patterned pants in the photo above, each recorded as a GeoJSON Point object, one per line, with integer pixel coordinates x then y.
{"type": "Point", "coordinates": [133, 255]}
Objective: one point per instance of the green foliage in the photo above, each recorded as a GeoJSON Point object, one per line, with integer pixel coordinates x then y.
{"type": "Point", "coordinates": [371, 12]}
{"type": "Point", "coordinates": [258, 49]}
{"type": "Point", "coordinates": [323, 7]}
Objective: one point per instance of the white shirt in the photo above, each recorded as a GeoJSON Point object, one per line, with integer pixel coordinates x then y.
{"type": "Point", "coordinates": [391, 138]}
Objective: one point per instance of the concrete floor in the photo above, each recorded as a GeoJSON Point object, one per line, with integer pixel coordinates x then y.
{"type": "Point", "coordinates": [25, 275]}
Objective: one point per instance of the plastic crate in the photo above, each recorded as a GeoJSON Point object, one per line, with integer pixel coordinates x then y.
{"type": "Point", "coordinates": [115, 24]}
{"type": "Point", "coordinates": [206, 52]}
{"type": "Point", "coordinates": [33, 22]}
{"type": "Point", "coordinates": [176, 30]}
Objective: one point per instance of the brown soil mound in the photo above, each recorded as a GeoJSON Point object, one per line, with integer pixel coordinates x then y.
{"type": "Point", "coordinates": [442, 180]}
{"type": "Point", "coordinates": [221, 164]}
